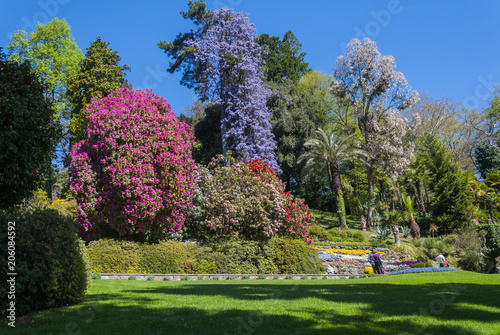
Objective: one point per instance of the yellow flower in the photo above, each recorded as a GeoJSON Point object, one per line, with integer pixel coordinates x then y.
{"type": "Point", "coordinates": [368, 270]}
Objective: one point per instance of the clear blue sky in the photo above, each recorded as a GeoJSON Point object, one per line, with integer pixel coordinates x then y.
{"type": "Point", "coordinates": [446, 47]}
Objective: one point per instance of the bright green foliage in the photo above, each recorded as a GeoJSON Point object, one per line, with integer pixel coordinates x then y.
{"type": "Point", "coordinates": [449, 184]}
{"type": "Point", "coordinates": [98, 74]}
{"type": "Point", "coordinates": [28, 132]}
{"type": "Point", "coordinates": [283, 57]}
{"type": "Point", "coordinates": [54, 54]}
{"type": "Point", "coordinates": [49, 260]}
{"type": "Point", "coordinates": [328, 108]}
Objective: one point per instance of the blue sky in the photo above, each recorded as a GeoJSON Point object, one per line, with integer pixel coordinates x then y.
{"type": "Point", "coordinates": [447, 47]}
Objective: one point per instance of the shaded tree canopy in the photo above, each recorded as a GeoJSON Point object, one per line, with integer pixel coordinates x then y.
{"type": "Point", "coordinates": [28, 131]}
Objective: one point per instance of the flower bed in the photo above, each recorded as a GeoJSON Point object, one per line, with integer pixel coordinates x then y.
{"type": "Point", "coordinates": [351, 260]}
{"type": "Point", "coordinates": [419, 270]}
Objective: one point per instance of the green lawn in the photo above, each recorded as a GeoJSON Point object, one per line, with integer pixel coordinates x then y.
{"type": "Point", "coordinates": [429, 303]}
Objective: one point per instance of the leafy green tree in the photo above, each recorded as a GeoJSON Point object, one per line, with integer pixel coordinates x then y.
{"type": "Point", "coordinates": [293, 125]}
{"type": "Point", "coordinates": [330, 150]}
{"type": "Point", "coordinates": [99, 75]}
{"type": "Point", "coordinates": [330, 109]}
{"type": "Point", "coordinates": [28, 131]}
{"type": "Point", "coordinates": [487, 158]}
{"type": "Point", "coordinates": [449, 184]}
{"type": "Point", "coordinates": [54, 56]}
{"type": "Point", "coordinates": [283, 57]}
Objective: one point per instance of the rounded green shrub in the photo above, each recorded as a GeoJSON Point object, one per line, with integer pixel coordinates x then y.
{"type": "Point", "coordinates": [319, 232]}
{"type": "Point", "coordinates": [292, 256]}
{"type": "Point", "coordinates": [48, 259]}
{"type": "Point", "coordinates": [358, 236]}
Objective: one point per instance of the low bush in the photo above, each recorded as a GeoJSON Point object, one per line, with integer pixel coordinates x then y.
{"type": "Point", "coordinates": [319, 232]}
{"type": "Point", "coordinates": [292, 256]}
{"type": "Point", "coordinates": [48, 259]}
{"type": "Point", "coordinates": [358, 236]}
{"type": "Point", "coordinates": [244, 256]}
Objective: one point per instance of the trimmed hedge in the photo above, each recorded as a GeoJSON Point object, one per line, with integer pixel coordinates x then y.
{"type": "Point", "coordinates": [117, 256]}
{"type": "Point", "coordinates": [233, 256]}
{"type": "Point", "coordinates": [49, 259]}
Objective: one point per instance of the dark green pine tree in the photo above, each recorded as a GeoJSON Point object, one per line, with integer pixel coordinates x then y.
{"type": "Point", "coordinates": [449, 184]}
{"type": "Point", "coordinates": [283, 57]}
{"type": "Point", "coordinates": [99, 74]}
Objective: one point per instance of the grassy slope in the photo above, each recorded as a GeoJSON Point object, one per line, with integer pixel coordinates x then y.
{"type": "Point", "coordinates": [430, 303]}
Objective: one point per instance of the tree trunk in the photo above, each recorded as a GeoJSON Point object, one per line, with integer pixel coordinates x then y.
{"type": "Point", "coordinates": [426, 193]}
{"type": "Point", "coordinates": [223, 130]}
{"type": "Point", "coordinates": [421, 198]}
{"type": "Point", "coordinates": [341, 211]}
{"type": "Point", "coordinates": [369, 176]}
{"type": "Point", "coordinates": [363, 223]}
{"type": "Point", "coordinates": [400, 201]}
{"type": "Point", "coordinates": [415, 229]}
{"type": "Point", "coordinates": [492, 213]}
{"type": "Point", "coordinates": [336, 185]}
{"type": "Point", "coordinates": [397, 238]}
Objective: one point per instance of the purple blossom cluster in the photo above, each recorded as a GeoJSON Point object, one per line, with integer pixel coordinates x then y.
{"type": "Point", "coordinates": [134, 172]}
{"type": "Point", "coordinates": [232, 76]}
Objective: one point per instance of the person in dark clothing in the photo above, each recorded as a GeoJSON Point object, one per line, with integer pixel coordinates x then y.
{"type": "Point", "coordinates": [377, 262]}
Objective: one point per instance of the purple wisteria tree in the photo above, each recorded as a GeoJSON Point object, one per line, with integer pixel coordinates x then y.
{"type": "Point", "coordinates": [226, 68]}
{"type": "Point", "coordinates": [133, 173]}
{"type": "Point", "coordinates": [369, 83]}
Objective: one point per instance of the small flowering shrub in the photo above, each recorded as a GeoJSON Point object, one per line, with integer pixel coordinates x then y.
{"type": "Point", "coordinates": [134, 172]}
{"type": "Point", "coordinates": [246, 199]}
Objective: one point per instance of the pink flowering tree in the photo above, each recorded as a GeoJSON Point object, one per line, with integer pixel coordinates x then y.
{"type": "Point", "coordinates": [134, 172]}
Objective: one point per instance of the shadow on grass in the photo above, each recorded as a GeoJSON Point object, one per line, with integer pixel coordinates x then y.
{"type": "Point", "coordinates": [286, 308]}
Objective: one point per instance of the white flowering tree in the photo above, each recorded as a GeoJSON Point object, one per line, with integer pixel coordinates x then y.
{"type": "Point", "coordinates": [369, 83]}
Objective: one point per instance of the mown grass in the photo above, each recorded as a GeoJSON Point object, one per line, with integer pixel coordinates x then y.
{"type": "Point", "coordinates": [429, 303]}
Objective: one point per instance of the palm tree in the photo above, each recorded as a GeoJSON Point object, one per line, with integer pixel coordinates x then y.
{"type": "Point", "coordinates": [394, 218]}
{"type": "Point", "coordinates": [329, 150]}
{"type": "Point", "coordinates": [415, 229]}
{"type": "Point", "coordinates": [366, 204]}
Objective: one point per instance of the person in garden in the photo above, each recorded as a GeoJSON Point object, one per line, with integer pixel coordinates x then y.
{"type": "Point", "coordinates": [370, 258]}
{"type": "Point", "coordinates": [441, 260]}
{"type": "Point", "coordinates": [377, 264]}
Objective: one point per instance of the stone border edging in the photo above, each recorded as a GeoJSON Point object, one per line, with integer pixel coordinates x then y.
{"type": "Point", "coordinates": [178, 277]}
